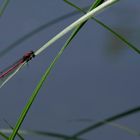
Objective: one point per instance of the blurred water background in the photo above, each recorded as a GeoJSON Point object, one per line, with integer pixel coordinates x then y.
{"type": "Point", "coordinates": [96, 77]}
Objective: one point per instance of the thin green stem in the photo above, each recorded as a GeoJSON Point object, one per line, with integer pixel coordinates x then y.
{"type": "Point", "coordinates": [3, 135]}
{"type": "Point", "coordinates": [96, 10]}
{"type": "Point", "coordinates": [3, 7]}
{"type": "Point", "coordinates": [106, 121]}
{"type": "Point", "coordinates": [36, 133]}
{"type": "Point", "coordinates": [35, 31]}
{"type": "Point", "coordinates": [128, 43]}
{"type": "Point", "coordinates": [94, 5]}
{"type": "Point", "coordinates": [18, 134]}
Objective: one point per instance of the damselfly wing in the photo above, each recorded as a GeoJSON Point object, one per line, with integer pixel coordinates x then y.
{"type": "Point", "coordinates": [9, 72]}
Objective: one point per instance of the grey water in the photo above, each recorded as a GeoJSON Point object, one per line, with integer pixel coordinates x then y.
{"type": "Point", "coordinates": [96, 77]}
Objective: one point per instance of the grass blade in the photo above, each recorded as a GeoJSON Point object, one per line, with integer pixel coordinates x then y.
{"type": "Point", "coordinates": [28, 105]}
{"type": "Point", "coordinates": [125, 128]}
{"type": "Point", "coordinates": [128, 43]}
{"type": "Point", "coordinates": [35, 93]}
{"type": "Point", "coordinates": [95, 4]}
{"type": "Point", "coordinates": [18, 134]}
{"type": "Point", "coordinates": [40, 133]}
{"type": "Point", "coordinates": [3, 135]}
{"type": "Point", "coordinates": [107, 120]}
{"type": "Point", "coordinates": [113, 124]}
{"type": "Point", "coordinates": [36, 31]}
{"type": "Point", "coordinates": [76, 23]}
{"type": "Point", "coordinates": [3, 6]}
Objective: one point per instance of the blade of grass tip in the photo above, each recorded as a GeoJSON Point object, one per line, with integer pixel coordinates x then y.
{"type": "Point", "coordinates": [128, 43]}
{"type": "Point", "coordinates": [125, 128]}
{"type": "Point", "coordinates": [107, 120]}
{"type": "Point", "coordinates": [18, 134]}
{"type": "Point", "coordinates": [3, 6]}
{"type": "Point", "coordinates": [35, 93]}
{"type": "Point", "coordinates": [36, 31]}
{"type": "Point", "coordinates": [93, 12]}
{"type": "Point", "coordinates": [115, 125]}
{"type": "Point", "coordinates": [50, 134]}
{"type": "Point", "coordinates": [94, 5]}
{"type": "Point", "coordinates": [3, 135]}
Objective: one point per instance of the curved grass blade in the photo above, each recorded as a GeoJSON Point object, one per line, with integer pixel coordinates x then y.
{"type": "Point", "coordinates": [3, 6]}
{"type": "Point", "coordinates": [125, 128]}
{"type": "Point", "coordinates": [35, 31]}
{"type": "Point", "coordinates": [94, 5]}
{"type": "Point", "coordinates": [40, 133]}
{"type": "Point", "coordinates": [107, 120]}
{"type": "Point", "coordinates": [35, 93]}
{"type": "Point", "coordinates": [3, 135]}
{"type": "Point", "coordinates": [76, 24]}
{"type": "Point", "coordinates": [116, 125]}
{"type": "Point", "coordinates": [129, 44]}
{"type": "Point", "coordinates": [19, 135]}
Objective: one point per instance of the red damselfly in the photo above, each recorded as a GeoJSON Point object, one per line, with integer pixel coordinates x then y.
{"type": "Point", "coordinates": [9, 72]}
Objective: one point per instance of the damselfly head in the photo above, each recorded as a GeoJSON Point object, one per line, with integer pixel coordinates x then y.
{"type": "Point", "coordinates": [28, 56]}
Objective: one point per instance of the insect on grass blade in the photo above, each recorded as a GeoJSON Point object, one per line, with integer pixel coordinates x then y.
{"type": "Point", "coordinates": [9, 72]}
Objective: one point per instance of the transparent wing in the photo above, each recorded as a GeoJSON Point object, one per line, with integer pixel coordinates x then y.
{"type": "Point", "coordinates": [6, 78]}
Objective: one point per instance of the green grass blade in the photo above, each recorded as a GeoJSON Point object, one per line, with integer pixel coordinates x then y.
{"type": "Point", "coordinates": [128, 43]}
{"type": "Point", "coordinates": [50, 134]}
{"type": "Point", "coordinates": [28, 105]}
{"type": "Point", "coordinates": [107, 120]}
{"type": "Point", "coordinates": [125, 128]}
{"type": "Point", "coordinates": [3, 6]}
{"type": "Point", "coordinates": [29, 132]}
{"type": "Point", "coordinates": [32, 98]}
{"type": "Point", "coordinates": [3, 135]}
{"type": "Point", "coordinates": [94, 5]}
{"type": "Point", "coordinates": [113, 124]}
{"type": "Point", "coordinates": [76, 23]}
{"type": "Point", "coordinates": [36, 31]}
{"type": "Point", "coordinates": [18, 134]}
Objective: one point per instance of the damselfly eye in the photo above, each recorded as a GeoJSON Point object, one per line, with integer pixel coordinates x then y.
{"type": "Point", "coordinates": [28, 56]}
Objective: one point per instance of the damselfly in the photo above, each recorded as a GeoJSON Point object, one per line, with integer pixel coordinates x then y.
{"type": "Point", "coordinates": [9, 72]}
